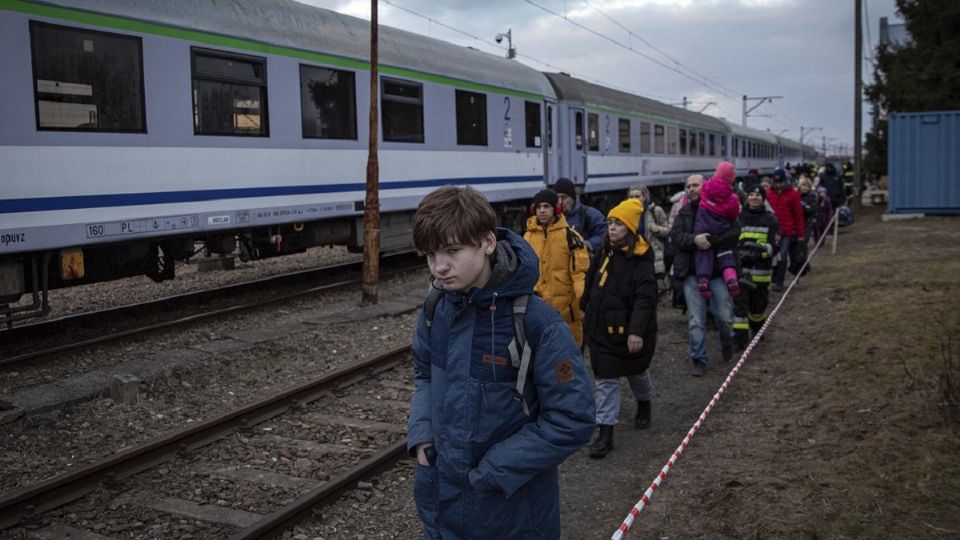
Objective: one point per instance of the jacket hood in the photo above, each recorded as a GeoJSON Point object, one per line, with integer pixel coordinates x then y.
{"type": "Point", "coordinates": [515, 269]}
{"type": "Point", "coordinates": [533, 225]}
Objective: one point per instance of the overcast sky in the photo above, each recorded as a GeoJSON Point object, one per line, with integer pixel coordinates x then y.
{"type": "Point", "coordinates": [802, 50]}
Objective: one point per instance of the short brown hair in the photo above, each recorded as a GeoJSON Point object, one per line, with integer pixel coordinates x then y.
{"type": "Point", "coordinates": [452, 215]}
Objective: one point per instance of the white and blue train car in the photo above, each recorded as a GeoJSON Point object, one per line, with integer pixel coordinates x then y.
{"type": "Point", "coordinates": [752, 149]}
{"type": "Point", "coordinates": [134, 130]}
{"type": "Point", "coordinates": [791, 152]}
{"type": "Point", "coordinates": [610, 140]}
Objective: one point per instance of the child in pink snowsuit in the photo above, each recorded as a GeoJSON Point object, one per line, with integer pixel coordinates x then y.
{"type": "Point", "coordinates": [719, 208]}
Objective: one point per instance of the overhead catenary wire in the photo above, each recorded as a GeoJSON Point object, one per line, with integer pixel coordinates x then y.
{"type": "Point", "coordinates": [522, 55]}
{"type": "Point", "coordinates": [654, 47]}
{"type": "Point", "coordinates": [722, 91]}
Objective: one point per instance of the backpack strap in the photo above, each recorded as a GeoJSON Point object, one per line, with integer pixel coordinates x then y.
{"type": "Point", "coordinates": [520, 350]}
{"type": "Point", "coordinates": [574, 240]}
{"type": "Point", "coordinates": [434, 294]}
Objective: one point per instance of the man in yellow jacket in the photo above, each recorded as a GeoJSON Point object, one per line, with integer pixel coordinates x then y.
{"type": "Point", "coordinates": [564, 259]}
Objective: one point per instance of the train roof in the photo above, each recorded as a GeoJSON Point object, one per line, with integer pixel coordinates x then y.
{"type": "Point", "coordinates": [747, 132]}
{"type": "Point", "coordinates": [573, 89]}
{"type": "Point", "coordinates": [296, 27]}
{"type": "Point", "coordinates": [788, 143]}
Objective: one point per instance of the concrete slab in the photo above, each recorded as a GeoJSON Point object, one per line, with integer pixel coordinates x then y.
{"type": "Point", "coordinates": [900, 217]}
{"type": "Point", "coordinates": [264, 478]}
{"type": "Point", "coordinates": [59, 531]}
{"type": "Point", "coordinates": [356, 423]}
{"type": "Point", "coordinates": [89, 385]}
{"type": "Point", "coordinates": [311, 446]}
{"type": "Point", "coordinates": [204, 512]}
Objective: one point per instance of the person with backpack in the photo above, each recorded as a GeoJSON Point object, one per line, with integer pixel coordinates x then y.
{"type": "Point", "coordinates": [564, 259]}
{"type": "Point", "coordinates": [620, 302]}
{"type": "Point", "coordinates": [502, 395]}
{"type": "Point", "coordinates": [586, 220]}
{"type": "Point", "coordinates": [655, 232]}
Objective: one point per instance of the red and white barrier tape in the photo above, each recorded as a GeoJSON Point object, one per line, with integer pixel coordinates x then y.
{"type": "Point", "coordinates": [648, 494]}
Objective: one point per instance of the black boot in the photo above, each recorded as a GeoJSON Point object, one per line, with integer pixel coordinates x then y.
{"type": "Point", "coordinates": [604, 442]}
{"type": "Point", "coordinates": [642, 421]}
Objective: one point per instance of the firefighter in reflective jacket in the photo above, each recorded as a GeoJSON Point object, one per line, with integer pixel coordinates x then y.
{"type": "Point", "coordinates": [759, 243]}
{"type": "Point", "coordinates": [848, 180]}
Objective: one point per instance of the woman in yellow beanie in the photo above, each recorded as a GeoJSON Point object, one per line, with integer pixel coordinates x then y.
{"type": "Point", "coordinates": [620, 302]}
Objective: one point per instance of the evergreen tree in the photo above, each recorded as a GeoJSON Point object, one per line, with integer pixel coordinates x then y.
{"type": "Point", "coordinates": [923, 75]}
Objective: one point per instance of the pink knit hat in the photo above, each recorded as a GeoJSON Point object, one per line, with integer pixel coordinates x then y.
{"type": "Point", "coordinates": [726, 172]}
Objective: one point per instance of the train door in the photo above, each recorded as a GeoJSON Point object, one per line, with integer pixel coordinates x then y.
{"type": "Point", "coordinates": [550, 154]}
{"type": "Point", "coordinates": [577, 146]}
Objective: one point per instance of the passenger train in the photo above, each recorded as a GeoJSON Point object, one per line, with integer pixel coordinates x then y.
{"type": "Point", "coordinates": [135, 130]}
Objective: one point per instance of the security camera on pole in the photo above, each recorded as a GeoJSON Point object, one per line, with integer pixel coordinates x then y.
{"type": "Point", "coordinates": [511, 50]}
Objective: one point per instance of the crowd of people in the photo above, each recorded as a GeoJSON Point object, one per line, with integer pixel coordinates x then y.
{"type": "Point", "coordinates": [502, 394]}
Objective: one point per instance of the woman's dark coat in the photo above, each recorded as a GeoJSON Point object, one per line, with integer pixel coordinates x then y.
{"type": "Point", "coordinates": [625, 303]}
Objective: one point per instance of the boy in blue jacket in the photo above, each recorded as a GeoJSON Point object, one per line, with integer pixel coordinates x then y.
{"type": "Point", "coordinates": [487, 458]}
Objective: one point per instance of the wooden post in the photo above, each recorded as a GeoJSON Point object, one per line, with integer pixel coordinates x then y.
{"type": "Point", "coordinates": [371, 208]}
{"type": "Point", "coordinates": [836, 228]}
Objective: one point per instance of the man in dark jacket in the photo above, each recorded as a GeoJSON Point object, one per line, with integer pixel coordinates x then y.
{"type": "Point", "coordinates": [834, 184]}
{"type": "Point", "coordinates": [487, 457]}
{"type": "Point", "coordinates": [684, 275]}
{"type": "Point", "coordinates": [586, 220]}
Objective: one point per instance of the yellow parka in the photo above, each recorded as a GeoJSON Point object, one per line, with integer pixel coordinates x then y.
{"type": "Point", "coordinates": [564, 262]}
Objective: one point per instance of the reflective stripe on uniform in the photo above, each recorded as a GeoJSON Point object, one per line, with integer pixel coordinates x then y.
{"type": "Point", "coordinates": [758, 237]}
{"type": "Point", "coordinates": [758, 275]}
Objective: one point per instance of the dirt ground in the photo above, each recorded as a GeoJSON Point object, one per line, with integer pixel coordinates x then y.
{"type": "Point", "coordinates": [843, 422]}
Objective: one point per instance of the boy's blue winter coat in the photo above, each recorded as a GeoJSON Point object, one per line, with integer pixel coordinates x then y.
{"type": "Point", "coordinates": [496, 472]}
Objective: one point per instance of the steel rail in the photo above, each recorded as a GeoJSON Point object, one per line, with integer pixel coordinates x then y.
{"type": "Point", "coordinates": [197, 297]}
{"type": "Point", "coordinates": [19, 505]}
{"type": "Point", "coordinates": [286, 518]}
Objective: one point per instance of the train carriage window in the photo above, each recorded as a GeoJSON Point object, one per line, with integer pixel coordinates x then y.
{"type": "Point", "coordinates": [87, 81]}
{"type": "Point", "coordinates": [471, 118]}
{"type": "Point", "coordinates": [693, 144]}
{"type": "Point", "coordinates": [593, 132]}
{"type": "Point", "coordinates": [735, 145]}
{"type": "Point", "coordinates": [401, 104]}
{"type": "Point", "coordinates": [701, 143]}
{"type": "Point", "coordinates": [671, 140]}
{"type": "Point", "coordinates": [723, 145]}
{"type": "Point", "coordinates": [328, 103]}
{"type": "Point", "coordinates": [713, 144]}
{"type": "Point", "coordinates": [624, 128]}
{"type": "Point", "coordinates": [229, 94]}
{"type": "Point", "coordinates": [658, 143]}
{"type": "Point", "coordinates": [644, 138]}
{"type": "Point", "coordinates": [531, 116]}
{"type": "Point", "coordinates": [683, 142]}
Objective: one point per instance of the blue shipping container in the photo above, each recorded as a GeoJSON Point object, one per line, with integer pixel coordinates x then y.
{"type": "Point", "coordinates": [924, 162]}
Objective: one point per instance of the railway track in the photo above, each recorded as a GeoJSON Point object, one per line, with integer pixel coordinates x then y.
{"type": "Point", "coordinates": [253, 472]}
{"type": "Point", "coordinates": [34, 343]}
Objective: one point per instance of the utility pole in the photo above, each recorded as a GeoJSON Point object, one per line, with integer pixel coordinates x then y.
{"type": "Point", "coordinates": [857, 102]}
{"type": "Point", "coordinates": [803, 132]}
{"type": "Point", "coordinates": [760, 100]}
{"type": "Point", "coordinates": [371, 207]}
